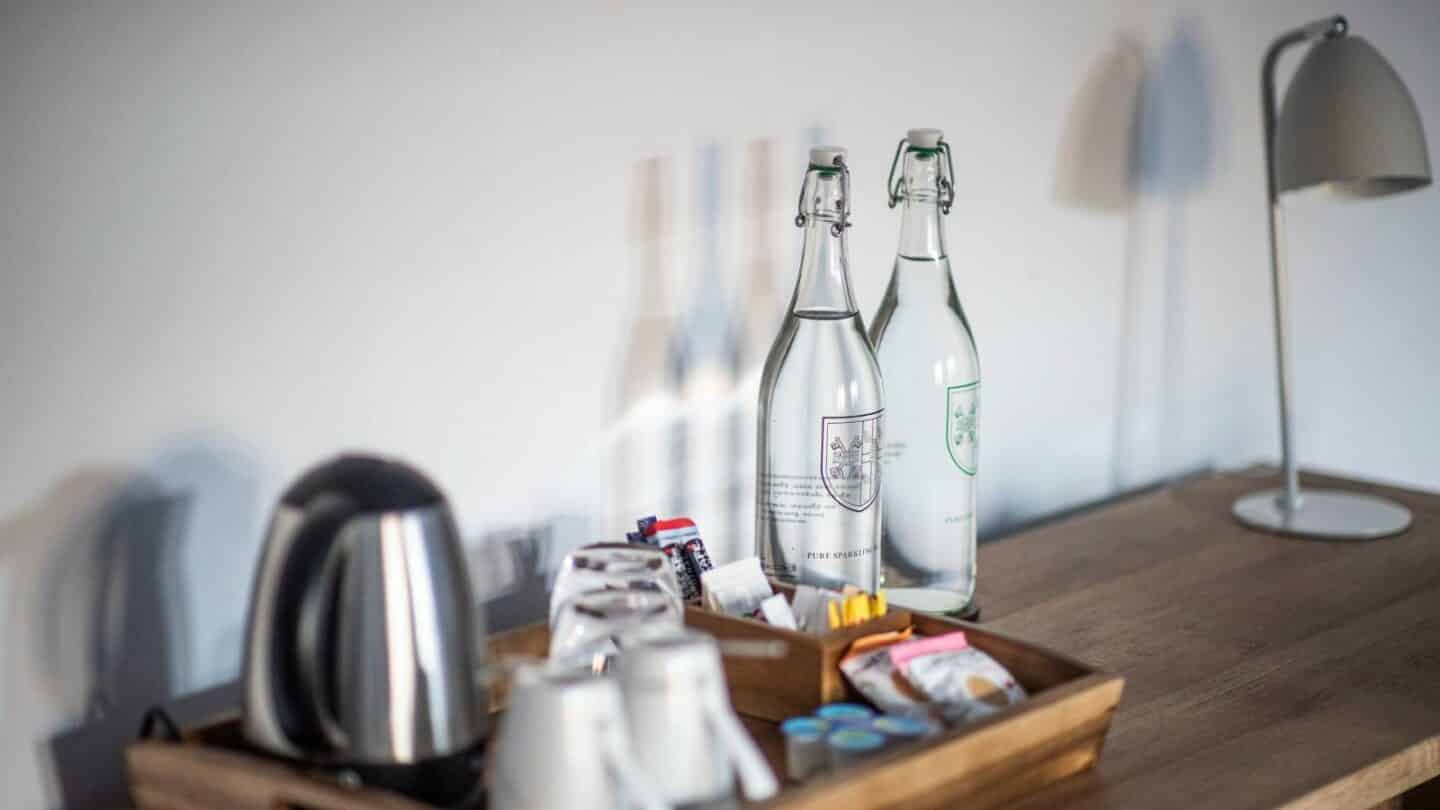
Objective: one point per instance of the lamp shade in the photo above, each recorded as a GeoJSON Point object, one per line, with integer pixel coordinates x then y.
{"type": "Point", "coordinates": [1348, 121]}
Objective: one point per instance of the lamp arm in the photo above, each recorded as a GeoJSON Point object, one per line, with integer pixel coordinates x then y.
{"type": "Point", "coordinates": [1328, 28]}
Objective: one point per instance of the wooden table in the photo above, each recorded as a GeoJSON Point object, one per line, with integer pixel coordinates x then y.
{"type": "Point", "coordinates": [1261, 671]}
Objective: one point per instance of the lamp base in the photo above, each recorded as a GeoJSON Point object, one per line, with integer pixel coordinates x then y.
{"type": "Point", "coordinates": [1324, 515]}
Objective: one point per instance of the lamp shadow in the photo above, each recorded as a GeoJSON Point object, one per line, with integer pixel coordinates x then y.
{"type": "Point", "coordinates": [1096, 156]}
{"type": "Point", "coordinates": [1175, 160]}
{"type": "Point", "coordinates": [1097, 170]}
{"type": "Point", "coordinates": [1139, 130]}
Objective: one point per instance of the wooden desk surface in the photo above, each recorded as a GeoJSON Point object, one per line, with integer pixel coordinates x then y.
{"type": "Point", "coordinates": [1260, 671]}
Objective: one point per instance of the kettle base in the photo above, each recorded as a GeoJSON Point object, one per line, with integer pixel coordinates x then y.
{"type": "Point", "coordinates": [452, 781]}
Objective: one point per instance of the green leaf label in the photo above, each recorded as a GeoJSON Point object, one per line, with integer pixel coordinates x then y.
{"type": "Point", "coordinates": [962, 425]}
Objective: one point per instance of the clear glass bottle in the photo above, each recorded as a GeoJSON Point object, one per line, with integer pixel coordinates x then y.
{"type": "Point", "coordinates": [705, 361]}
{"type": "Point", "coordinates": [647, 404]}
{"type": "Point", "coordinates": [821, 410]}
{"type": "Point", "coordinates": [762, 309]}
{"type": "Point", "coordinates": [927, 354]}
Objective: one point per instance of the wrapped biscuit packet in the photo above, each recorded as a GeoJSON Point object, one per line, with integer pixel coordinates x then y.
{"type": "Point", "coordinates": [868, 668]}
{"type": "Point", "coordinates": [964, 683]}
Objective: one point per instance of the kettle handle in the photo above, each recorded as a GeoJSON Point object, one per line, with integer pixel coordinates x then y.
{"type": "Point", "coordinates": [315, 639]}
{"type": "Point", "coordinates": [757, 779]}
{"type": "Point", "coordinates": [321, 523]}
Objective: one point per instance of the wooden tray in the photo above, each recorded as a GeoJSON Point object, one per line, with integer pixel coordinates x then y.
{"type": "Point", "coordinates": [1057, 732]}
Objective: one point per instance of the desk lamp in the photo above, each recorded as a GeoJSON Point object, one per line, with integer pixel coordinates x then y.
{"type": "Point", "coordinates": [1348, 123]}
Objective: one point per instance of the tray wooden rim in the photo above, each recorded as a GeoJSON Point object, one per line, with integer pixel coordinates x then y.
{"type": "Point", "coordinates": [1060, 730]}
{"type": "Point", "coordinates": [826, 791]}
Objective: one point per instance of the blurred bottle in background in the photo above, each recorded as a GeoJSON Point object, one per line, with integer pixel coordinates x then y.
{"type": "Point", "coordinates": [762, 312]}
{"type": "Point", "coordinates": [706, 355]}
{"type": "Point", "coordinates": [647, 405]}
{"type": "Point", "coordinates": [927, 355]}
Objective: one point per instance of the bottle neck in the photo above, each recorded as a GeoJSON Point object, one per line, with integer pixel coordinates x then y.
{"type": "Point", "coordinates": [648, 235]}
{"type": "Point", "coordinates": [823, 289]}
{"type": "Point", "coordinates": [922, 235]}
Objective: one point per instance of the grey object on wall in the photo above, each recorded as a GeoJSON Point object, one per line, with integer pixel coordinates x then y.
{"type": "Point", "coordinates": [1347, 122]}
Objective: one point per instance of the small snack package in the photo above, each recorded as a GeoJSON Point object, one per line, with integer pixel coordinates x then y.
{"type": "Point", "coordinates": [777, 612]}
{"type": "Point", "coordinates": [811, 607]}
{"type": "Point", "coordinates": [963, 682]}
{"type": "Point", "coordinates": [868, 668]}
{"type": "Point", "coordinates": [856, 609]}
{"type": "Point", "coordinates": [736, 588]}
{"type": "Point", "coordinates": [689, 582]}
{"type": "Point", "coordinates": [670, 530]}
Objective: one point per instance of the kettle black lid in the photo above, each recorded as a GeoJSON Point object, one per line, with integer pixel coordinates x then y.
{"type": "Point", "coordinates": [372, 483]}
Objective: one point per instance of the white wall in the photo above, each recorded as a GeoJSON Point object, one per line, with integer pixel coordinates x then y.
{"type": "Point", "coordinates": [239, 239]}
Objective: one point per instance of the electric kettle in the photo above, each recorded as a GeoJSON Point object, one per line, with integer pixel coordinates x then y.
{"type": "Point", "coordinates": [361, 650]}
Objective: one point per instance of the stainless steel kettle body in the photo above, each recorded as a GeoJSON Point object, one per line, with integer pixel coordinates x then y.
{"type": "Point", "coordinates": [361, 646]}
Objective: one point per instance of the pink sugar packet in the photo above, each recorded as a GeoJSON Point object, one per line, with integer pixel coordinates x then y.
{"type": "Point", "coordinates": [903, 653]}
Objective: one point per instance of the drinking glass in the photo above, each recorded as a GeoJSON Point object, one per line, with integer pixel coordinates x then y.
{"type": "Point", "coordinates": [590, 628]}
{"type": "Point", "coordinates": [613, 566]}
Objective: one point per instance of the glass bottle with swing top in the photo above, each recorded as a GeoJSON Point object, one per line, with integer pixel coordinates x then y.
{"type": "Point", "coordinates": [821, 409]}
{"type": "Point", "coordinates": [927, 354]}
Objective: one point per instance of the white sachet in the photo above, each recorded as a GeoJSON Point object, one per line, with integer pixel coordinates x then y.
{"type": "Point", "coordinates": [811, 606]}
{"type": "Point", "coordinates": [736, 588]}
{"type": "Point", "coordinates": [778, 613]}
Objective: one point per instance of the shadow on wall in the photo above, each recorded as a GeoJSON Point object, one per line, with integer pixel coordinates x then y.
{"type": "Point", "coordinates": [1143, 129]}
{"type": "Point", "coordinates": [1097, 170]}
{"type": "Point", "coordinates": [507, 569]}
{"type": "Point", "coordinates": [511, 568]}
{"type": "Point", "coordinates": [97, 615]}
{"type": "Point", "coordinates": [50, 554]}
{"type": "Point", "coordinates": [1176, 159]}
{"type": "Point", "coordinates": [1095, 162]}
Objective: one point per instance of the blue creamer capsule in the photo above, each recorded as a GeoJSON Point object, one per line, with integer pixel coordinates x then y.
{"type": "Point", "coordinates": [805, 754]}
{"type": "Point", "coordinates": [851, 745]}
{"type": "Point", "coordinates": [845, 714]}
{"type": "Point", "coordinates": [899, 728]}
